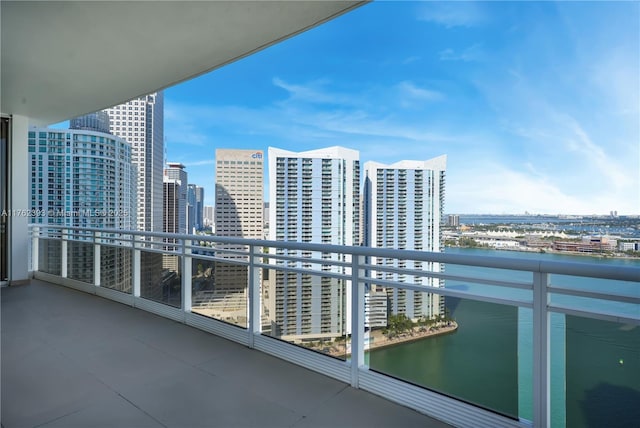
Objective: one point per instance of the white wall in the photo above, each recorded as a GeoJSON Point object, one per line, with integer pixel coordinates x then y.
{"type": "Point", "coordinates": [19, 200]}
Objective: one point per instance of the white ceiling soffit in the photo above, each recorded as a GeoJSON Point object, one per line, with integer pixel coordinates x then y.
{"type": "Point", "coordinates": [63, 59]}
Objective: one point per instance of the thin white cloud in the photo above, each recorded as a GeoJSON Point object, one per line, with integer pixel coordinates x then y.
{"type": "Point", "coordinates": [453, 14]}
{"type": "Point", "coordinates": [469, 54]}
{"type": "Point", "coordinates": [496, 189]}
{"type": "Point", "coordinates": [412, 92]}
{"type": "Point", "coordinates": [618, 77]}
{"type": "Point", "coordinates": [314, 92]}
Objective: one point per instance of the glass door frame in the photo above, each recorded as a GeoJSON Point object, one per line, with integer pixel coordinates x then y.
{"type": "Point", "coordinates": [5, 217]}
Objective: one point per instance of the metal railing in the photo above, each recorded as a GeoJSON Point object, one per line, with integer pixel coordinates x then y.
{"type": "Point", "coordinates": [355, 268]}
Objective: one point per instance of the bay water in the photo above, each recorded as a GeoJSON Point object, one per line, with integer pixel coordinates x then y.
{"type": "Point", "coordinates": [595, 365]}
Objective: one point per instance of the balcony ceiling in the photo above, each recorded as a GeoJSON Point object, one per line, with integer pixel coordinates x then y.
{"type": "Point", "coordinates": [63, 59]}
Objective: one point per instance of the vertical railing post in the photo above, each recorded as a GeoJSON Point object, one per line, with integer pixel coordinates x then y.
{"type": "Point", "coordinates": [357, 319]}
{"type": "Point", "coordinates": [136, 266]}
{"type": "Point", "coordinates": [35, 248]}
{"type": "Point", "coordinates": [63, 252]}
{"type": "Point", "coordinates": [96, 258]}
{"type": "Point", "coordinates": [254, 296]}
{"type": "Point", "coordinates": [186, 275]}
{"type": "Point", "coordinates": [541, 351]}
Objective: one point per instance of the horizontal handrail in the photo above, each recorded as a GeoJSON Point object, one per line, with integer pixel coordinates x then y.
{"type": "Point", "coordinates": [622, 273]}
{"type": "Point", "coordinates": [357, 270]}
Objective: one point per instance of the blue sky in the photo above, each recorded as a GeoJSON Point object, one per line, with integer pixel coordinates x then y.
{"type": "Point", "coordinates": [536, 104]}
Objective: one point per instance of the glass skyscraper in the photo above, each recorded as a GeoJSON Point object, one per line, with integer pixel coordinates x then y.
{"type": "Point", "coordinates": [195, 207]}
{"type": "Point", "coordinates": [84, 178]}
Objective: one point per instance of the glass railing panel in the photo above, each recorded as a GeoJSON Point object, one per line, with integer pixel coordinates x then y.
{"type": "Point", "coordinates": [598, 285]}
{"type": "Point", "coordinates": [219, 290]}
{"type": "Point", "coordinates": [161, 278]}
{"type": "Point", "coordinates": [116, 268]}
{"type": "Point", "coordinates": [50, 256]}
{"type": "Point", "coordinates": [306, 309]}
{"type": "Point", "coordinates": [80, 257]}
{"type": "Point", "coordinates": [464, 349]}
{"type": "Point", "coordinates": [602, 373]}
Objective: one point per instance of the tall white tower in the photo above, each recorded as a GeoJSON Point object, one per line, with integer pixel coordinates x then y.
{"type": "Point", "coordinates": [314, 197]}
{"type": "Point", "coordinates": [404, 204]}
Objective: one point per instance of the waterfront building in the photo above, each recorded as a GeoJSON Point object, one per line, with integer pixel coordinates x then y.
{"type": "Point", "coordinates": [588, 244]}
{"type": "Point", "coordinates": [141, 123]}
{"type": "Point", "coordinates": [84, 177]}
{"type": "Point", "coordinates": [375, 309]}
{"type": "Point", "coordinates": [314, 198]}
{"type": "Point", "coordinates": [453, 220]}
{"type": "Point", "coordinates": [629, 245]}
{"type": "Point", "coordinates": [404, 205]}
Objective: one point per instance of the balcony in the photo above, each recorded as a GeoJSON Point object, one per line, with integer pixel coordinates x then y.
{"type": "Point", "coordinates": [515, 298]}
{"type": "Point", "coordinates": [71, 359]}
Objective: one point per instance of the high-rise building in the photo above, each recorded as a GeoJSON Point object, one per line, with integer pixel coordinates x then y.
{"type": "Point", "coordinates": [175, 199]}
{"type": "Point", "coordinates": [404, 204]}
{"type": "Point", "coordinates": [191, 208]}
{"type": "Point", "coordinates": [84, 178]}
{"type": "Point", "coordinates": [174, 215]}
{"type": "Point", "coordinates": [195, 208]}
{"type": "Point", "coordinates": [314, 197]}
{"type": "Point", "coordinates": [453, 220]}
{"type": "Point", "coordinates": [238, 209]}
{"type": "Point", "coordinates": [208, 216]}
{"type": "Point", "coordinates": [199, 216]}
{"type": "Point", "coordinates": [239, 193]}
{"type": "Point", "coordinates": [141, 123]}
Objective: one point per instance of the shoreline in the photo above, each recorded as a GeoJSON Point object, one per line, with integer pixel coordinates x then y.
{"type": "Point", "coordinates": [381, 341]}
{"type": "Point", "coordinates": [413, 336]}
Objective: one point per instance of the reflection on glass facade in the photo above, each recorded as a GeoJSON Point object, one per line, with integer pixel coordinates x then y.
{"type": "Point", "coordinates": [80, 261]}
{"type": "Point", "coordinates": [82, 178]}
{"type": "Point", "coordinates": [212, 298]}
{"type": "Point", "coordinates": [160, 284]}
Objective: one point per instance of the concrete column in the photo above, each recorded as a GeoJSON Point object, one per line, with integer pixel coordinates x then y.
{"type": "Point", "coordinates": [20, 190]}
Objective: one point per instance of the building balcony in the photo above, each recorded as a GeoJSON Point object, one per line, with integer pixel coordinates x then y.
{"type": "Point", "coordinates": [204, 359]}
{"type": "Point", "coordinates": [71, 359]}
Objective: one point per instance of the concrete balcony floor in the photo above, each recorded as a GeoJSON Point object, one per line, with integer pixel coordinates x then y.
{"type": "Point", "coordinates": [71, 359]}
